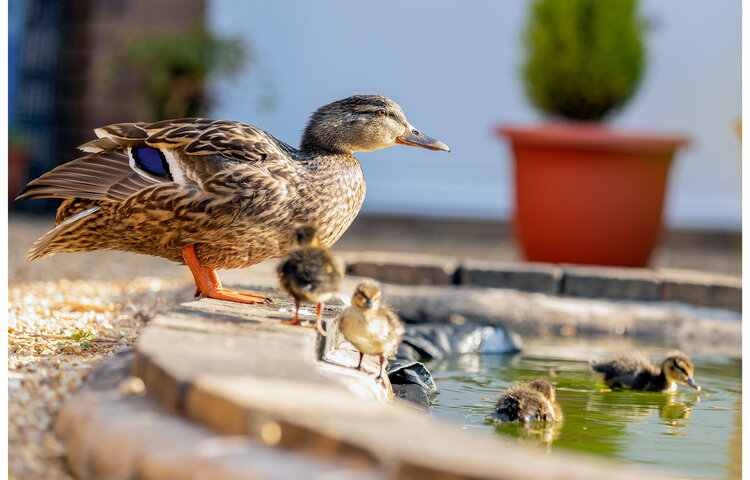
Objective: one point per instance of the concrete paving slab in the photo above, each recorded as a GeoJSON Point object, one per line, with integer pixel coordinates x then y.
{"type": "Point", "coordinates": [111, 436]}
{"type": "Point", "coordinates": [410, 269]}
{"type": "Point", "coordinates": [613, 283]}
{"type": "Point", "coordinates": [529, 277]}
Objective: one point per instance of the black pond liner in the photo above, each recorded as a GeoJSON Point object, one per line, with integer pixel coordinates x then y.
{"type": "Point", "coordinates": [412, 381]}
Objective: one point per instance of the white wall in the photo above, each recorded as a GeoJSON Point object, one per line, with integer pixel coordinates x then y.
{"type": "Point", "coordinates": [453, 67]}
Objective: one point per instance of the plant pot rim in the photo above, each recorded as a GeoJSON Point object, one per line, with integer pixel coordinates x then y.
{"type": "Point", "coordinates": [589, 136]}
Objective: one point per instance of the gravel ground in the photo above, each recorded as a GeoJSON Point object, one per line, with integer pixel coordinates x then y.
{"type": "Point", "coordinates": [68, 312]}
{"type": "Point", "coordinates": [57, 331]}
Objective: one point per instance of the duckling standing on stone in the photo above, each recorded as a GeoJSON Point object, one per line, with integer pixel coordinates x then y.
{"type": "Point", "coordinates": [216, 193]}
{"type": "Point", "coordinates": [372, 327]}
{"type": "Point", "coordinates": [528, 402]}
{"type": "Point", "coordinates": [309, 273]}
{"type": "Point", "coordinates": [634, 372]}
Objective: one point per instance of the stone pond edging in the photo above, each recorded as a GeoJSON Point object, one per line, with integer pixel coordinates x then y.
{"type": "Point", "coordinates": [701, 289]}
{"type": "Point", "coordinates": [232, 393]}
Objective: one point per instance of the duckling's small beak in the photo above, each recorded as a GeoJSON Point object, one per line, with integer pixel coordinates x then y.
{"type": "Point", "coordinates": [369, 304]}
{"type": "Point", "coordinates": [692, 383]}
{"type": "Point", "coordinates": [415, 138]}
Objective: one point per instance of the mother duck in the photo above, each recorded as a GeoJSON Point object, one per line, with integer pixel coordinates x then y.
{"type": "Point", "coordinates": [215, 193]}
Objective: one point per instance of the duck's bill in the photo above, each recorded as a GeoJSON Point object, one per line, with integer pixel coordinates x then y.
{"type": "Point", "coordinates": [692, 383]}
{"type": "Point", "coordinates": [415, 138]}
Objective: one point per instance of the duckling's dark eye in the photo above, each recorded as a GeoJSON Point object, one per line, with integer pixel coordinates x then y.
{"type": "Point", "coordinates": [381, 112]}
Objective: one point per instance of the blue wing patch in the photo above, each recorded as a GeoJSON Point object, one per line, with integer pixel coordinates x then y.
{"type": "Point", "coordinates": [151, 160]}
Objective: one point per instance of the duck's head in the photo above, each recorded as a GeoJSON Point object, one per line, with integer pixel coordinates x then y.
{"type": "Point", "coordinates": [363, 123]}
{"type": "Point", "coordinates": [304, 235]}
{"type": "Point", "coordinates": [543, 386]}
{"type": "Point", "coordinates": [677, 367]}
{"type": "Point", "coordinates": [367, 295]}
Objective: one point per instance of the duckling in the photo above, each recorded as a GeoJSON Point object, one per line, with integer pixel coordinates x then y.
{"type": "Point", "coordinates": [216, 194]}
{"type": "Point", "coordinates": [309, 273]}
{"type": "Point", "coordinates": [371, 326]}
{"type": "Point", "coordinates": [634, 372]}
{"type": "Point", "coordinates": [528, 402]}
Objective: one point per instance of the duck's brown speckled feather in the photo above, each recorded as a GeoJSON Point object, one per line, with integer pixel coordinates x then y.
{"type": "Point", "coordinates": [235, 196]}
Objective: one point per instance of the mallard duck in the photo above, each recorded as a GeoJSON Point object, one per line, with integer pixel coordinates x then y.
{"type": "Point", "coordinates": [372, 327]}
{"type": "Point", "coordinates": [528, 402]}
{"type": "Point", "coordinates": [634, 372]}
{"type": "Point", "coordinates": [216, 193]}
{"type": "Point", "coordinates": [309, 273]}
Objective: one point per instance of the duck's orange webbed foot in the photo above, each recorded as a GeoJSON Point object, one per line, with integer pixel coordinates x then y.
{"type": "Point", "coordinates": [318, 321]}
{"type": "Point", "coordinates": [207, 282]}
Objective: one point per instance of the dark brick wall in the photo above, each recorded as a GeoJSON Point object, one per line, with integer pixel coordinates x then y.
{"type": "Point", "coordinates": [64, 90]}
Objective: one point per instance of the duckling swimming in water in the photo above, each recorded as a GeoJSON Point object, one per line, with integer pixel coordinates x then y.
{"type": "Point", "coordinates": [372, 327]}
{"type": "Point", "coordinates": [634, 372]}
{"type": "Point", "coordinates": [309, 273]}
{"type": "Point", "coordinates": [528, 402]}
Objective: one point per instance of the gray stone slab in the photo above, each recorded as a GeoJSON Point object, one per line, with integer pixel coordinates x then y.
{"type": "Point", "coordinates": [169, 358]}
{"type": "Point", "coordinates": [410, 269]}
{"type": "Point", "coordinates": [266, 382]}
{"type": "Point", "coordinates": [109, 436]}
{"type": "Point", "coordinates": [396, 438]}
{"type": "Point", "coordinates": [700, 288]}
{"type": "Point", "coordinates": [612, 283]}
{"type": "Point", "coordinates": [215, 337]}
{"type": "Point", "coordinates": [529, 277]}
{"type": "Point", "coordinates": [673, 325]}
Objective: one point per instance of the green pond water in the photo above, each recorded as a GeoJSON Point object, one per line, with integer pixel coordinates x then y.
{"type": "Point", "coordinates": [690, 434]}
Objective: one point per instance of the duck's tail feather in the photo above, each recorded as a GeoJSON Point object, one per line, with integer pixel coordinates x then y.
{"type": "Point", "coordinates": [57, 239]}
{"type": "Point", "coordinates": [106, 175]}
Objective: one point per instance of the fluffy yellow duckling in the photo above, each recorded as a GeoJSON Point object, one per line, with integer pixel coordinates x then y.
{"type": "Point", "coordinates": [372, 327]}
{"type": "Point", "coordinates": [309, 273]}
{"type": "Point", "coordinates": [528, 402]}
{"type": "Point", "coordinates": [634, 372]}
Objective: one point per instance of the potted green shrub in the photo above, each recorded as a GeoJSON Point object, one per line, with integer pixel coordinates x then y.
{"type": "Point", "coordinates": [584, 193]}
{"type": "Point", "coordinates": [173, 68]}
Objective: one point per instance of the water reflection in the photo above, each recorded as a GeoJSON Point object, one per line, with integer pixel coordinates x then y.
{"type": "Point", "coordinates": [534, 433]}
{"type": "Point", "coordinates": [693, 433]}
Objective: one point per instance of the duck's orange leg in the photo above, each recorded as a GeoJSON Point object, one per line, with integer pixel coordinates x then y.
{"type": "Point", "coordinates": [318, 320]}
{"type": "Point", "coordinates": [295, 321]}
{"type": "Point", "coordinates": [359, 365]}
{"type": "Point", "coordinates": [207, 282]}
{"type": "Point", "coordinates": [381, 370]}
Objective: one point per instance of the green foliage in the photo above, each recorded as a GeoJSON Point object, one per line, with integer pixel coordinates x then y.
{"type": "Point", "coordinates": [82, 337]}
{"type": "Point", "coordinates": [584, 58]}
{"type": "Point", "coordinates": [173, 69]}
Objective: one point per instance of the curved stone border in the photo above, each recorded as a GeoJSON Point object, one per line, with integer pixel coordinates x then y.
{"type": "Point", "coordinates": [236, 370]}
{"type": "Point", "coordinates": [637, 284]}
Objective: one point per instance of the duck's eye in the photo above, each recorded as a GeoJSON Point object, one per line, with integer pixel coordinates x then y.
{"type": "Point", "coordinates": [381, 112]}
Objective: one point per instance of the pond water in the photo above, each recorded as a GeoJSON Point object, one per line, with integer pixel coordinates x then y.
{"type": "Point", "coordinates": [688, 433]}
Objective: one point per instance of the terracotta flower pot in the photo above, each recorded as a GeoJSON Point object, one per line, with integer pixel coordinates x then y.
{"type": "Point", "coordinates": [587, 195]}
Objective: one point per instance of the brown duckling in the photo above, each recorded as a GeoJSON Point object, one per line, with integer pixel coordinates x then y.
{"type": "Point", "coordinates": [528, 402]}
{"type": "Point", "coordinates": [634, 372]}
{"type": "Point", "coordinates": [217, 194]}
{"type": "Point", "coordinates": [309, 273]}
{"type": "Point", "coordinates": [371, 326]}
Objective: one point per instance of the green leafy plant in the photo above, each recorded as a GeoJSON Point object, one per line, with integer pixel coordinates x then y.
{"type": "Point", "coordinates": [172, 69]}
{"type": "Point", "coordinates": [82, 337]}
{"type": "Point", "coordinates": [584, 58]}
